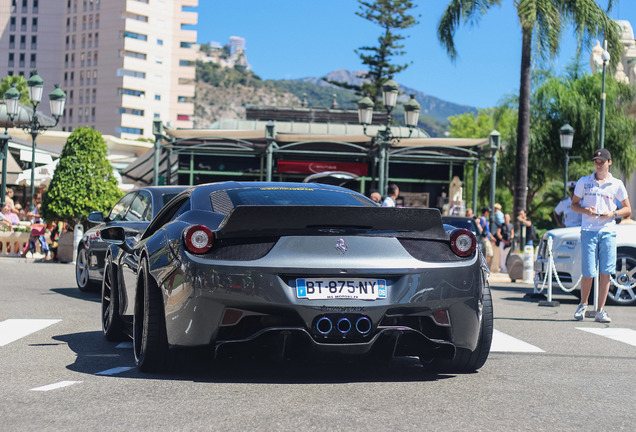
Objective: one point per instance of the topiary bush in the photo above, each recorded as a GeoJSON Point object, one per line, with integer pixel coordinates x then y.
{"type": "Point", "coordinates": [83, 180]}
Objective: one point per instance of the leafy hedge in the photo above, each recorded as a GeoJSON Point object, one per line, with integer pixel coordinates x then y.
{"type": "Point", "coordinates": [83, 180]}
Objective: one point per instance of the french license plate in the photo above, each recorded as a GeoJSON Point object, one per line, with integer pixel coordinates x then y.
{"type": "Point", "coordinates": [326, 289]}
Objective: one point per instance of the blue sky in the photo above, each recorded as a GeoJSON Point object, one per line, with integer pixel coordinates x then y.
{"type": "Point", "coordinates": [291, 39]}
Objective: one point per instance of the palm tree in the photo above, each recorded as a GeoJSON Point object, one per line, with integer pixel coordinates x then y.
{"type": "Point", "coordinates": [543, 20]}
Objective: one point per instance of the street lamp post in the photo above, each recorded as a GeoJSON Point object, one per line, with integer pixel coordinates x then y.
{"type": "Point", "coordinates": [566, 136]}
{"type": "Point", "coordinates": [57, 99]}
{"type": "Point", "coordinates": [605, 57]}
{"type": "Point", "coordinates": [11, 102]}
{"type": "Point", "coordinates": [384, 137]}
{"type": "Point", "coordinates": [495, 143]}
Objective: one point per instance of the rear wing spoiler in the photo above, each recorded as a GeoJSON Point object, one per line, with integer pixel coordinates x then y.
{"type": "Point", "coordinates": [252, 221]}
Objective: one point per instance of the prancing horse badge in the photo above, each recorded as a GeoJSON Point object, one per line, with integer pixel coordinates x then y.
{"type": "Point", "coordinates": [342, 246]}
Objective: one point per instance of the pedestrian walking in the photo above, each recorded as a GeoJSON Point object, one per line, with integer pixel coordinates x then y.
{"type": "Point", "coordinates": [595, 198]}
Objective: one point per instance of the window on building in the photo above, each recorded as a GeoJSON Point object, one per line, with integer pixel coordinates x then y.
{"type": "Point", "coordinates": [131, 73]}
{"type": "Point", "coordinates": [182, 99]}
{"type": "Point", "coordinates": [135, 54]}
{"type": "Point", "coordinates": [131, 111]}
{"type": "Point", "coordinates": [34, 24]}
{"type": "Point", "coordinates": [11, 61]}
{"type": "Point", "coordinates": [129, 130]}
{"type": "Point", "coordinates": [186, 44]}
{"type": "Point", "coordinates": [22, 42]}
{"type": "Point", "coordinates": [186, 63]}
{"type": "Point", "coordinates": [159, 41]}
{"type": "Point", "coordinates": [25, 6]}
{"type": "Point", "coordinates": [134, 35]}
{"type": "Point", "coordinates": [12, 24]}
{"type": "Point", "coordinates": [34, 42]}
{"type": "Point", "coordinates": [157, 97]}
{"type": "Point", "coordinates": [131, 92]}
{"type": "Point", "coordinates": [23, 24]}
{"type": "Point", "coordinates": [35, 6]}
{"type": "Point", "coordinates": [11, 41]}
{"type": "Point", "coordinates": [32, 62]}
{"type": "Point", "coordinates": [21, 60]}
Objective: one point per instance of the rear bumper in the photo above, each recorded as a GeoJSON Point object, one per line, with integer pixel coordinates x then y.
{"type": "Point", "coordinates": [225, 306]}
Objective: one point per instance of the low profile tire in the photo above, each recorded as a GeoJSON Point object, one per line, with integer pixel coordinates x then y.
{"type": "Point", "coordinates": [467, 361]}
{"type": "Point", "coordinates": [112, 323]}
{"type": "Point", "coordinates": [626, 276]}
{"type": "Point", "coordinates": [150, 342]}
{"type": "Point", "coordinates": [84, 282]}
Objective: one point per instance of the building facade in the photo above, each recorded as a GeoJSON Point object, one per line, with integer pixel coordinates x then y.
{"type": "Point", "coordinates": [122, 63]}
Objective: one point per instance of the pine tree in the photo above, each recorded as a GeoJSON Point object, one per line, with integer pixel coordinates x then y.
{"type": "Point", "coordinates": [391, 16]}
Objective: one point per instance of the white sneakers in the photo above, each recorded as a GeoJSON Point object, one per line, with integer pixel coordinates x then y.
{"type": "Point", "coordinates": [601, 316]}
{"type": "Point", "coordinates": [580, 312]}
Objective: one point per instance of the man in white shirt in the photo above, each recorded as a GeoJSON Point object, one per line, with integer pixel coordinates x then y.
{"type": "Point", "coordinates": [563, 213]}
{"type": "Point", "coordinates": [595, 198]}
{"type": "Point", "coordinates": [392, 193]}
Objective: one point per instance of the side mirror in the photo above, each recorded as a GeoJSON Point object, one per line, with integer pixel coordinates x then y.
{"type": "Point", "coordinates": [96, 217]}
{"type": "Point", "coordinates": [116, 236]}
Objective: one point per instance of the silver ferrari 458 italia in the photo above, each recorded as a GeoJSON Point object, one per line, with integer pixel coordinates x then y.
{"type": "Point", "coordinates": [297, 269]}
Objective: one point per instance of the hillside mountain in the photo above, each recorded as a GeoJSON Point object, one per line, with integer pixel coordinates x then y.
{"type": "Point", "coordinates": [222, 93]}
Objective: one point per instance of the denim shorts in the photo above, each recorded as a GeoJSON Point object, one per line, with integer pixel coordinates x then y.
{"type": "Point", "coordinates": [601, 246]}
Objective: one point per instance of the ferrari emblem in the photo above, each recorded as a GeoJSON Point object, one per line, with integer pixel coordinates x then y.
{"type": "Point", "coordinates": [342, 246]}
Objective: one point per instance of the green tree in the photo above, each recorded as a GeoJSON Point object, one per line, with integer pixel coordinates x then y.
{"type": "Point", "coordinates": [480, 125]}
{"type": "Point", "coordinates": [391, 16]}
{"type": "Point", "coordinates": [543, 21]}
{"type": "Point", "coordinates": [83, 180]}
{"type": "Point", "coordinates": [20, 84]}
{"type": "Point", "coordinates": [571, 98]}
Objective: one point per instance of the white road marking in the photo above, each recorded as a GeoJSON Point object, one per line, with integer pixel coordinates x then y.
{"type": "Point", "coordinates": [502, 342]}
{"type": "Point", "coordinates": [55, 386]}
{"type": "Point", "coordinates": [14, 329]}
{"type": "Point", "coordinates": [114, 371]}
{"type": "Point", "coordinates": [625, 335]}
{"type": "Point", "coordinates": [125, 345]}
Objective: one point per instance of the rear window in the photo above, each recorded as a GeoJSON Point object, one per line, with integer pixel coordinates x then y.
{"type": "Point", "coordinates": [460, 223]}
{"type": "Point", "coordinates": [225, 201]}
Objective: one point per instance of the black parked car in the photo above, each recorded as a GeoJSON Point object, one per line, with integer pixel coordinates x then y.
{"type": "Point", "coordinates": [294, 269]}
{"type": "Point", "coordinates": [462, 222]}
{"type": "Point", "coordinates": [133, 212]}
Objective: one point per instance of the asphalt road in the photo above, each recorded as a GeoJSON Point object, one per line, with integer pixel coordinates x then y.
{"type": "Point", "coordinates": [546, 372]}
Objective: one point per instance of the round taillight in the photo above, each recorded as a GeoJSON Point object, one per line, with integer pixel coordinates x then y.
{"type": "Point", "coordinates": [198, 239]}
{"type": "Point", "coordinates": [463, 242]}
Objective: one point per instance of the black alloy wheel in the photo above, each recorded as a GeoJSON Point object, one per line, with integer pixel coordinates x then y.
{"type": "Point", "coordinates": [150, 341]}
{"type": "Point", "coordinates": [112, 323]}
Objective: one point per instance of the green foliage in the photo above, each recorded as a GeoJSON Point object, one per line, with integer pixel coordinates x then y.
{"type": "Point", "coordinates": [574, 99]}
{"type": "Point", "coordinates": [542, 23]}
{"type": "Point", "coordinates": [391, 16]}
{"type": "Point", "coordinates": [20, 85]}
{"type": "Point", "coordinates": [219, 76]}
{"type": "Point", "coordinates": [83, 180]}
{"type": "Point", "coordinates": [319, 95]}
